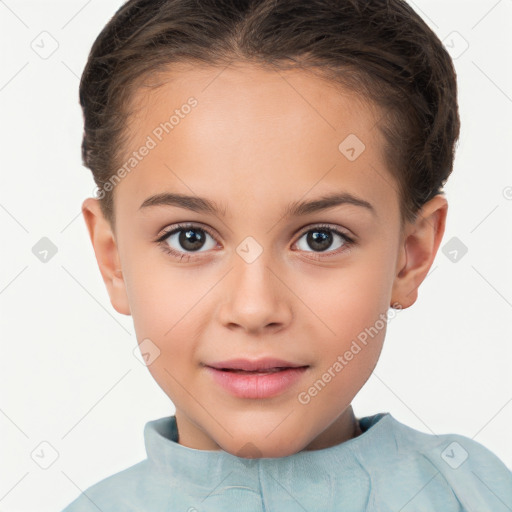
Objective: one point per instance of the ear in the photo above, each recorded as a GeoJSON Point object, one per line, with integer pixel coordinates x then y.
{"type": "Point", "coordinates": [107, 256]}
{"type": "Point", "coordinates": [418, 249]}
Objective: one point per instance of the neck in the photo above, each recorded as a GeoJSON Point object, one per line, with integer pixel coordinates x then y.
{"type": "Point", "coordinates": [343, 428]}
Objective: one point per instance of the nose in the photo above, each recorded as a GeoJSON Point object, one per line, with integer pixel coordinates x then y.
{"type": "Point", "coordinates": [254, 299]}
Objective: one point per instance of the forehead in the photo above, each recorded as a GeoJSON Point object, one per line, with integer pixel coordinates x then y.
{"type": "Point", "coordinates": [243, 134]}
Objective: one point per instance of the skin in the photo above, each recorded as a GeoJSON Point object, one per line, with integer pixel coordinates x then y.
{"type": "Point", "coordinates": [257, 141]}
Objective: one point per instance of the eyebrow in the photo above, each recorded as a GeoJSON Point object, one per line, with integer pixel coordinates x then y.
{"type": "Point", "coordinates": [295, 209]}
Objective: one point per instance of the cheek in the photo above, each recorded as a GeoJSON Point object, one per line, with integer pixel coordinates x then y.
{"type": "Point", "coordinates": [164, 313]}
{"type": "Point", "coordinates": [159, 294]}
{"type": "Point", "coordinates": [346, 359]}
{"type": "Point", "coordinates": [351, 304]}
{"type": "Point", "coordinates": [343, 301]}
{"type": "Point", "coordinates": [166, 307]}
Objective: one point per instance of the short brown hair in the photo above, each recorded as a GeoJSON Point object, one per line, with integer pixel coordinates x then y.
{"type": "Point", "coordinates": [380, 49]}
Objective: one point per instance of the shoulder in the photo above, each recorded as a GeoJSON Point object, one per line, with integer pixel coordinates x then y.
{"type": "Point", "coordinates": [452, 465]}
{"type": "Point", "coordinates": [126, 490]}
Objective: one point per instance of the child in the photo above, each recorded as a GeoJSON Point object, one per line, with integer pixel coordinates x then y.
{"type": "Point", "coordinates": [229, 138]}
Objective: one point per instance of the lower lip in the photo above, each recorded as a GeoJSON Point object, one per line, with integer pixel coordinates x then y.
{"type": "Point", "coordinates": [257, 385]}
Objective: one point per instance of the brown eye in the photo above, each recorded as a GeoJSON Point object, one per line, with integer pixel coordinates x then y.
{"type": "Point", "coordinates": [321, 239]}
{"type": "Point", "coordinates": [191, 239]}
{"type": "Point", "coordinates": [185, 239]}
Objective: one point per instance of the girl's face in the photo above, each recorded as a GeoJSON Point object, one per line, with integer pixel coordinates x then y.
{"type": "Point", "coordinates": [264, 266]}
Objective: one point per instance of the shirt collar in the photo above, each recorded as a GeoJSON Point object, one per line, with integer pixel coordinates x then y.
{"type": "Point", "coordinates": [200, 467]}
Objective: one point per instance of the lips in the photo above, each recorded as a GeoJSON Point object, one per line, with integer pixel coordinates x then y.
{"type": "Point", "coordinates": [264, 365]}
{"type": "Point", "coordinates": [256, 379]}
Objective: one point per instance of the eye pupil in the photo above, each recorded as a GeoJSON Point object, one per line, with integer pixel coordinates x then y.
{"type": "Point", "coordinates": [190, 240]}
{"type": "Point", "coordinates": [321, 237]}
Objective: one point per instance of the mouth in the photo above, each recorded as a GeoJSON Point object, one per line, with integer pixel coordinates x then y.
{"type": "Point", "coordinates": [262, 365]}
{"type": "Point", "coordinates": [263, 379]}
{"type": "Point", "coordinates": [262, 371]}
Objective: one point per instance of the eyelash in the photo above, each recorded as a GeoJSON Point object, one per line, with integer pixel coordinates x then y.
{"type": "Point", "coordinates": [347, 246]}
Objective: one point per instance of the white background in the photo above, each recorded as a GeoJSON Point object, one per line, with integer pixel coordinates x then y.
{"type": "Point", "coordinates": [69, 377]}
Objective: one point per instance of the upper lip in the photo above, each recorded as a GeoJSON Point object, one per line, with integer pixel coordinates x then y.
{"type": "Point", "coordinates": [265, 363]}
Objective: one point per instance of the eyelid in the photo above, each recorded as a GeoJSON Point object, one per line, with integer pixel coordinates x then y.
{"type": "Point", "coordinates": [331, 227]}
{"type": "Point", "coordinates": [165, 233]}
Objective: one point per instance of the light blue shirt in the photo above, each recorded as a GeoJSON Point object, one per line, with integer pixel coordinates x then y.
{"type": "Point", "coordinates": [390, 467]}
